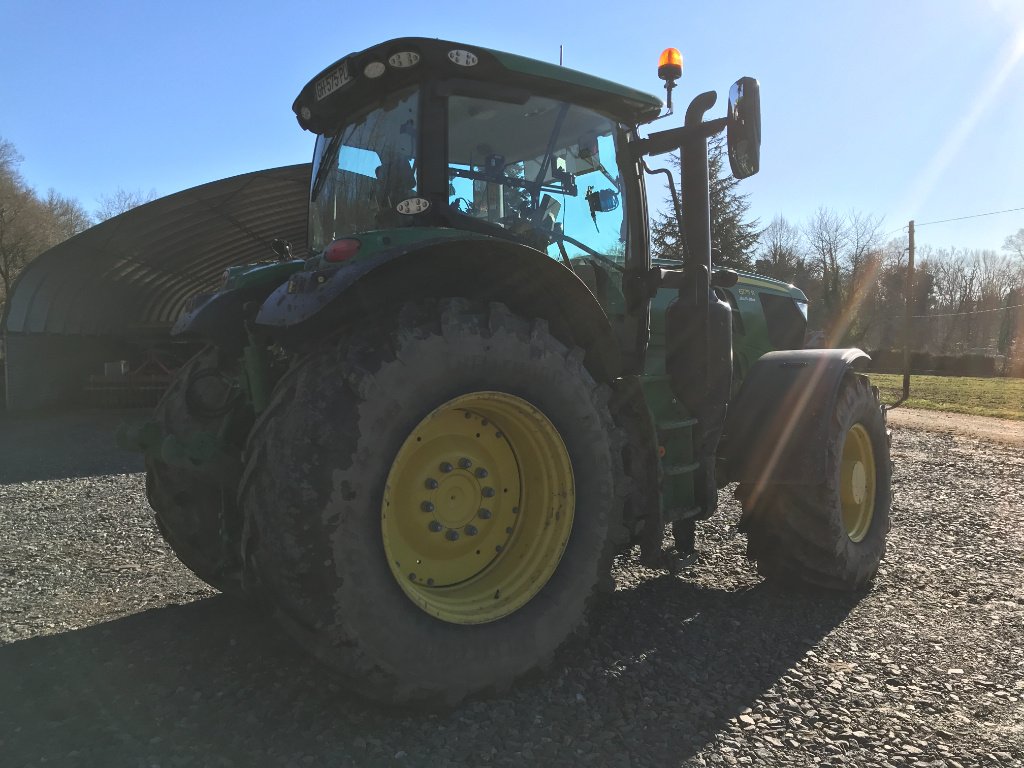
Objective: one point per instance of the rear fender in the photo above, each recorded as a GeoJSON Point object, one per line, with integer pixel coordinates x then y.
{"type": "Point", "coordinates": [777, 427]}
{"type": "Point", "coordinates": [477, 267]}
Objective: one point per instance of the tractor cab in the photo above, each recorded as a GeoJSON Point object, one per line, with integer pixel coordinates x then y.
{"type": "Point", "coordinates": [422, 133]}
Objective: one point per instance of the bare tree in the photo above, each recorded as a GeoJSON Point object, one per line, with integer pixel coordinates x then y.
{"type": "Point", "coordinates": [120, 201]}
{"type": "Point", "coordinates": [1015, 244]}
{"type": "Point", "coordinates": [9, 158]}
{"type": "Point", "coordinates": [22, 220]}
{"type": "Point", "coordinates": [780, 251]}
{"type": "Point", "coordinates": [22, 237]}
{"type": "Point", "coordinates": [68, 216]}
{"type": "Point", "coordinates": [963, 300]}
{"type": "Point", "coordinates": [864, 240]}
{"type": "Point", "coordinates": [863, 260]}
{"type": "Point", "coordinates": [29, 225]}
{"type": "Point", "coordinates": [827, 236]}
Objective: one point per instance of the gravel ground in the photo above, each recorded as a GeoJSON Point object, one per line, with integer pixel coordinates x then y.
{"type": "Point", "coordinates": [112, 654]}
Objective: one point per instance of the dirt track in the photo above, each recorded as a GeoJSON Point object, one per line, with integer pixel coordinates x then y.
{"type": "Point", "coordinates": [112, 654]}
{"type": "Point", "coordinates": [961, 425]}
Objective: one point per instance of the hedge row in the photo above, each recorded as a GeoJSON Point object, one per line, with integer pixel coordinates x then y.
{"type": "Point", "coordinates": [923, 363]}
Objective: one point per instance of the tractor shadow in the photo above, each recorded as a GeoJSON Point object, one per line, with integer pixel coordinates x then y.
{"type": "Point", "coordinates": [213, 683]}
{"type": "Point", "coordinates": [64, 444]}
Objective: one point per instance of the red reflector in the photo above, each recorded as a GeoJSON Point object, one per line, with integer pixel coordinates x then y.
{"type": "Point", "coordinates": [341, 250]}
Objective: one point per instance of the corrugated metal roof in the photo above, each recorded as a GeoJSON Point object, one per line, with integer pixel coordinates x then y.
{"type": "Point", "coordinates": [135, 271]}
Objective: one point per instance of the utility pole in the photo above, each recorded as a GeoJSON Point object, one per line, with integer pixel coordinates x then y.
{"type": "Point", "coordinates": [908, 314]}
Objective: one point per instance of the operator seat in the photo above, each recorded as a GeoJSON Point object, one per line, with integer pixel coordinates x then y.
{"type": "Point", "coordinates": [397, 182]}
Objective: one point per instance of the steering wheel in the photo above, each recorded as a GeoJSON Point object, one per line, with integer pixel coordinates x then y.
{"type": "Point", "coordinates": [592, 253]}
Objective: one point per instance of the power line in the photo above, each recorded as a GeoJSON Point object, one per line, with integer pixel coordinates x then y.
{"type": "Point", "coordinates": [975, 312]}
{"type": "Point", "coordinates": [957, 218]}
{"type": "Point", "coordinates": [972, 216]}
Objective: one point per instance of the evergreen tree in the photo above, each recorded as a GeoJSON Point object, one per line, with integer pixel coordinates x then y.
{"type": "Point", "coordinates": [732, 235]}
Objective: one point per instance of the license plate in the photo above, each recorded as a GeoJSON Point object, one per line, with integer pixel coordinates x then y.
{"type": "Point", "coordinates": [327, 85]}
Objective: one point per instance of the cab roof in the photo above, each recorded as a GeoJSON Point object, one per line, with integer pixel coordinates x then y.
{"type": "Point", "coordinates": [381, 69]}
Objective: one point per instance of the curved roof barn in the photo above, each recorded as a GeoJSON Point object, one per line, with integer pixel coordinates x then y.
{"type": "Point", "coordinates": [135, 271]}
{"type": "Point", "coordinates": [131, 275]}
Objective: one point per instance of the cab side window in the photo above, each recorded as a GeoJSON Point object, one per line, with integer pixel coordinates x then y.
{"type": "Point", "coordinates": [544, 171]}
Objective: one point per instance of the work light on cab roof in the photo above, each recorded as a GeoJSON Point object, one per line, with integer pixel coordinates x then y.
{"type": "Point", "coordinates": [670, 69]}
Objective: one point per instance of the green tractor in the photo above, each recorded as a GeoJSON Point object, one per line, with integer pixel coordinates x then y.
{"type": "Point", "coordinates": [423, 446]}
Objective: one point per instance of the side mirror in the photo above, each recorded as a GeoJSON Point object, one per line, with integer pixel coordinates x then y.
{"type": "Point", "coordinates": [602, 201]}
{"type": "Point", "coordinates": [282, 249]}
{"type": "Point", "coordinates": [744, 127]}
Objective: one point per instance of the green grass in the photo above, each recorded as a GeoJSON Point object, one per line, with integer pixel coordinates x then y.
{"type": "Point", "coordinates": [1002, 398]}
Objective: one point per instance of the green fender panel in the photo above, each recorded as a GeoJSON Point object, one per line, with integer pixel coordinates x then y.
{"type": "Point", "coordinates": [777, 426]}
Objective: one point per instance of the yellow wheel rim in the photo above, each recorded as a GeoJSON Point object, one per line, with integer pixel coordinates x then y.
{"type": "Point", "coordinates": [478, 508]}
{"type": "Point", "coordinates": [857, 482]}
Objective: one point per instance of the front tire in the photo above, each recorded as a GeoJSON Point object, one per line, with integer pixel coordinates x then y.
{"type": "Point", "coordinates": [195, 506]}
{"type": "Point", "coordinates": [831, 532]}
{"type": "Point", "coordinates": [433, 504]}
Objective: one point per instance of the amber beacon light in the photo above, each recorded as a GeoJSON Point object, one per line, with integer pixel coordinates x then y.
{"type": "Point", "coordinates": [670, 69]}
{"type": "Point", "coordinates": [670, 65]}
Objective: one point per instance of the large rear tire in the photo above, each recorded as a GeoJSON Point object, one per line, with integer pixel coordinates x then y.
{"type": "Point", "coordinates": [195, 506]}
{"type": "Point", "coordinates": [433, 501]}
{"type": "Point", "coordinates": [829, 533]}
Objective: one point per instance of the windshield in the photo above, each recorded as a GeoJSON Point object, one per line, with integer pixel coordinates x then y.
{"type": "Point", "coordinates": [362, 173]}
{"type": "Point", "coordinates": [543, 170]}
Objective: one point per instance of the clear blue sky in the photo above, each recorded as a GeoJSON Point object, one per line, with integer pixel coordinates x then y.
{"type": "Point", "coordinates": [908, 109]}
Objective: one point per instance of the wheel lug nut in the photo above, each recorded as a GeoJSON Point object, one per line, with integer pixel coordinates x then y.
{"type": "Point", "coordinates": [451, 534]}
{"type": "Point", "coordinates": [434, 526]}
{"type": "Point", "coordinates": [470, 530]}
{"type": "Point", "coordinates": [487, 492]}
{"type": "Point", "coordinates": [431, 483]}
{"type": "Point", "coordinates": [412, 577]}
{"type": "Point", "coordinates": [483, 513]}
{"type": "Point", "coordinates": [446, 467]}
{"type": "Point", "coordinates": [481, 472]}
{"type": "Point", "coordinates": [465, 463]}
{"type": "Point", "coordinates": [427, 506]}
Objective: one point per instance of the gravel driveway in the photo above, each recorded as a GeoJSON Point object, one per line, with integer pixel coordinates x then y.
{"type": "Point", "coordinates": [112, 654]}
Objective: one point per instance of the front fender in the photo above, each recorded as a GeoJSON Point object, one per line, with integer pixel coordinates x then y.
{"type": "Point", "coordinates": [777, 427]}
{"type": "Point", "coordinates": [219, 316]}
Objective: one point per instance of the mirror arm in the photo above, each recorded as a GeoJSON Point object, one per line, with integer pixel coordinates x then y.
{"type": "Point", "coordinates": [657, 277]}
{"type": "Point", "coordinates": [711, 127]}
{"type": "Point", "coordinates": [657, 143]}
{"type": "Point", "coordinates": [671, 140]}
